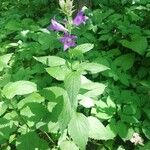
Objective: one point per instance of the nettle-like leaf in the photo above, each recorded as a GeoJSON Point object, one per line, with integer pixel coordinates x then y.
{"type": "Point", "coordinates": [34, 112]}
{"type": "Point", "coordinates": [7, 127]}
{"type": "Point", "coordinates": [3, 107]}
{"type": "Point", "coordinates": [33, 97]}
{"type": "Point", "coordinates": [97, 130]}
{"type": "Point", "coordinates": [51, 60]}
{"type": "Point", "coordinates": [66, 113]}
{"type": "Point", "coordinates": [122, 129]}
{"type": "Point", "coordinates": [85, 101]}
{"type": "Point", "coordinates": [94, 68]}
{"type": "Point", "coordinates": [72, 85]}
{"type": "Point", "coordinates": [31, 141]}
{"type": "Point", "coordinates": [138, 44]}
{"type": "Point", "coordinates": [58, 72]}
{"type": "Point", "coordinates": [18, 88]}
{"type": "Point", "coordinates": [146, 128]}
{"type": "Point", "coordinates": [68, 145]}
{"type": "Point", "coordinates": [83, 48]}
{"type": "Point", "coordinates": [78, 129]}
{"type": "Point", "coordinates": [127, 58]}
{"type": "Point", "coordinates": [4, 59]}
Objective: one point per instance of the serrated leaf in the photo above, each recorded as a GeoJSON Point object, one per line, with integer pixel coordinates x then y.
{"type": "Point", "coordinates": [127, 58]}
{"type": "Point", "coordinates": [86, 102]}
{"type": "Point", "coordinates": [78, 129]}
{"type": "Point", "coordinates": [122, 129]}
{"type": "Point", "coordinates": [33, 97]}
{"type": "Point", "coordinates": [31, 141]}
{"type": "Point", "coordinates": [94, 67]}
{"type": "Point", "coordinates": [51, 60]}
{"type": "Point", "coordinates": [137, 44]}
{"type": "Point", "coordinates": [18, 88]}
{"type": "Point", "coordinates": [72, 85]}
{"type": "Point", "coordinates": [4, 59]}
{"type": "Point", "coordinates": [97, 130]}
{"type": "Point", "coordinates": [95, 89]}
{"type": "Point", "coordinates": [3, 108]}
{"type": "Point", "coordinates": [68, 145]}
{"type": "Point", "coordinates": [83, 47]}
{"type": "Point", "coordinates": [6, 128]}
{"type": "Point", "coordinates": [66, 113]}
{"type": "Point", "coordinates": [58, 73]}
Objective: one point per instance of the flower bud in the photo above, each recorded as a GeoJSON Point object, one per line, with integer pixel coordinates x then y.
{"type": "Point", "coordinates": [62, 4]}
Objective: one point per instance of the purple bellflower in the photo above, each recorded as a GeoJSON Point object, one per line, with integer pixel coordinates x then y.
{"type": "Point", "coordinates": [80, 18]}
{"type": "Point", "coordinates": [68, 41]}
{"type": "Point", "coordinates": [57, 26]}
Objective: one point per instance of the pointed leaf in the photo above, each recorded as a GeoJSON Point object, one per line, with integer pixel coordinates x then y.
{"type": "Point", "coordinates": [97, 130]}
{"type": "Point", "coordinates": [72, 84]}
{"type": "Point", "coordinates": [79, 130]}
{"type": "Point", "coordinates": [51, 60]}
{"type": "Point", "coordinates": [68, 145]}
{"type": "Point", "coordinates": [18, 88]}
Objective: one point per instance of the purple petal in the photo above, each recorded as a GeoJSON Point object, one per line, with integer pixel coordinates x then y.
{"type": "Point", "coordinates": [68, 41]}
{"type": "Point", "coordinates": [80, 18]}
{"type": "Point", "coordinates": [57, 26]}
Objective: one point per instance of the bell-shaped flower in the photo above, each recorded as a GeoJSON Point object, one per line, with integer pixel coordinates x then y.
{"type": "Point", "coordinates": [57, 26]}
{"type": "Point", "coordinates": [68, 41]}
{"type": "Point", "coordinates": [80, 18]}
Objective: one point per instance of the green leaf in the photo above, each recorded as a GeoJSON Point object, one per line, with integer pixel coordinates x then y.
{"type": "Point", "coordinates": [127, 58]}
{"type": "Point", "coordinates": [146, 128]}
{"type": "Point", "coordinates": [31, 141]}
{"type": "Point", "coordinates": [3, 108]}
{"type": "Point", "coordinates": [83, 47]}
{"type": "Point", "coordinates": [18, 88]}
{"type": "Point", "coordinates": [72, 85]}
{"type": "Point", "coordinates": [95, 89]}
{"type": "Point", "coordinates": [94, 67]}
{"type": "Point", "coordinates": [51, 60]}
{"type": "Point", "coordinates": [68, 145]}
{"type": "Point", "coordinates": [4, 59]}
{"type": "Point", "coordinates": [138, 44]}
{"type": "Point", "coordinates": [34, 112]}
{"type": "Point", "coordinates": [122, 129]}
{"type": "Point", "coordinates": [6, 128]}
{"type": "Point", "coordinates": [97, 130]}
{"type": "Point", "coordinates": [58, 73]}
{"type": "Point", "coordinates": [78, 129]}
{"type": "Point", "coordinates": [66, 113]}
{"type": "Point", "coordinates": [33, 97]}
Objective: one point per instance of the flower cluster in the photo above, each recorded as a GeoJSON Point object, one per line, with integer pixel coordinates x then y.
{"type": "Point", "coordinates": [136, 139]}
{"type": "Point", "coordinates": [68, 39]}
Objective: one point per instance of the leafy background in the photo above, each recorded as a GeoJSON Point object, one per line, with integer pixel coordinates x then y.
{"type": "Point", "coordinates": [114, 95]}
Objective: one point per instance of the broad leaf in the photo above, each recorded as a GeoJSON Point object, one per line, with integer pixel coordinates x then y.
{"type": "Point", "coordinates": [127, 58]}
{"type": "Point", "coordinates": [31, 141]}
{"type": "Point", "coordinates": [137, 44]}
{"type": "Point", "coordinates": [34, 97]}
{"type": "Point", "coordinates": [94, 67]}
{"type": "Point", "coordinates": [79, 130]}
{"type": "Point", "coordinates": [97, 130]}
{"type": "Point", "coordinates": [18, 88]}
{"type": "Point", "coordinates": [66, 113]}
{"type": "Point", "coordinates": [58, 73]}
{"type": "Point", "coordinates": [72, 84]}
{"type": "Point", "coordinates": [4, 59]}
{"type": "Point", "coordinates": [68, 145]}
{"type": "Point", "coordinates": [51, 60]}
{"type": "Point", "coordinates": [84, 47]}
{"type": "Point", "coordinates": [122, 129]}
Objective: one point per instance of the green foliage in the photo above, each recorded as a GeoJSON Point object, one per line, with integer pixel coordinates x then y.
{"type": "Point", "coordinates": [78, 129]}
{"type": "Point", "coordinates": [95, 95]}
{"type": "Point", "coordinates": [72, 84]}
